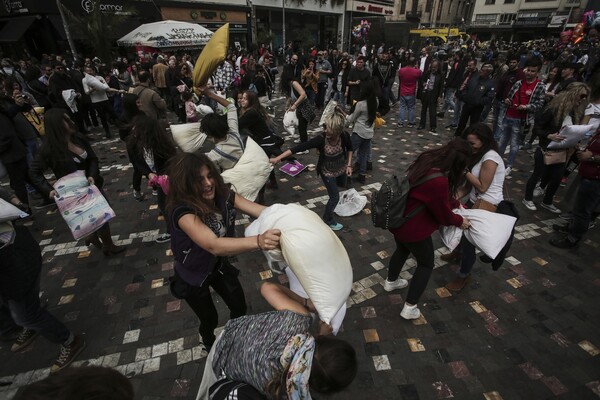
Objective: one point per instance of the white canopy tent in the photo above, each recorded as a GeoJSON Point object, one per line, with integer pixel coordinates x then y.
{"type": "Point", "coordinates": [167, 34]}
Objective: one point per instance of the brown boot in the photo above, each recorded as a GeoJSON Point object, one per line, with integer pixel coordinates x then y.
{"type": "Point", "coordinates": [108, 247]}
{"type": "Point", "coordinates": [458, 284]}
{"type": "Point", "coordinates": [453, 256]}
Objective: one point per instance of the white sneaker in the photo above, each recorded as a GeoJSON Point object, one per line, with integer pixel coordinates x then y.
{"type": "Point", "coordinates": [397, 284]}
{"type": "Point", "coordinates": [551, 207]}
{"type": "Point", "coordinates": [529, 205]}
{"type": "Point", "coordinates": [538, 191]}
{"type": "Point", "coordinates": [410, 312]}
{"type": "Point", "coordinates": [507, 171]}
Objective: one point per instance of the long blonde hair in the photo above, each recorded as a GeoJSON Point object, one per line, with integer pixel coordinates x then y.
{"type": "Point", "coordinates": [571, 101]}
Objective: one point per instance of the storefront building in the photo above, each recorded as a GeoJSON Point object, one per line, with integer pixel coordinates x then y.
{"type": "Point", "coordinates": [212, 16]}
{"type": "Point", "coordinates": [307, 22]}
{"type": "Point", "coordinates": [374, 13]}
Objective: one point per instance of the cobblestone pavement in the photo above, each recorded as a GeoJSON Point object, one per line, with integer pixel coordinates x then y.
{"type": "Point", "coordinates": [527, 331]}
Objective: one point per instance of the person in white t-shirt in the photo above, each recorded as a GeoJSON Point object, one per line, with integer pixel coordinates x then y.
{"type": "Point", "coordinates": [486, 178]}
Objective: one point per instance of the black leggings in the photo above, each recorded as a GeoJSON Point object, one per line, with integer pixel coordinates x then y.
{"type": "Point", "coordinates": [302, 127]}
{"type": "Point", "coordinates": [423, 252]}
{"type": "Point", "coordinates": [548, 175]}
{"type": "Point", "coordinates": [201, 302]}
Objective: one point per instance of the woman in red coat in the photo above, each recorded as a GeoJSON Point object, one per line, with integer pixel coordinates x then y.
{"type": "Point", "coordinates": [414, 236]}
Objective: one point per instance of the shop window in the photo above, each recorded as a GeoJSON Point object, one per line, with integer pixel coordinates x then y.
{"type": "Point", "coordinates": [428, 5]}
{"type": "Point", "coordinates": [402, 6]}
{"type": "Point", "coordinates": [490, 2]}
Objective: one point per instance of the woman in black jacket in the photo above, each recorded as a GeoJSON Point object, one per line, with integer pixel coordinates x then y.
{"type": "Point", "coordinates": [150, 149]}
{"type": "Point", "coordinates": [131, 109]}
{"type": "Point", "coordinates": [334, 164]}
{"type": "Point", "coordinates": [340, 82]}
{"type": "Point", "coordinates": [64, 152]}
{"type": "Point", "coordinates": [430, 89]}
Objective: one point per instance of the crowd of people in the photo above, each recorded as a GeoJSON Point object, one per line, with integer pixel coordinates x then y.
{"type": "Point", "coordinates": [136, 97]}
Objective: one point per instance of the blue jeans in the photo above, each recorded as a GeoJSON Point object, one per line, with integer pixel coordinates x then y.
{"type": "Point", "coordinates": [361, 147]}
{"type": "Point", "coordinates": [511, 131]}
{"type": "Point", "coordinates": [407, 107]}
{"type": "Point", "coordinates": [586, 201]}
{"type": "Point", "coordinates": [331, 183]}
{"type": "Point", "coordinates": [449, 100]}
{"type": "Point", "coordinates": [496, 123]}
{"type": "Point", "coordinates": [340, 99]}
{"type": "Point", "coordinates": [457, 110]}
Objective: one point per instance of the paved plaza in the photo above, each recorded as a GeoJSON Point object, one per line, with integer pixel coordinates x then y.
{"type": "Point", "coordinates": [528, 331]}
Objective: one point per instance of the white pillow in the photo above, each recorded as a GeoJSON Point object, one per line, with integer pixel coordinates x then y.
{"type": "Point", "coordinates": [314, 253]}
{"type": "Point", "coordinates": [9, 212]}
{"type": "Point", "coordinates": [188, 136]}
{"type": "Point", "coordinates": [251, 172]}
{"type": "Point", "coordinates": [489, 231]}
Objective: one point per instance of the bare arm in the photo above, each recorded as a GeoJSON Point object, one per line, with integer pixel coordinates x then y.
{"type": "Point", "coordinates": [248, 207]}
{"type": "Point", "coordinates": [300, 99]}
{"type": "Point", "coordinates": [282, 298]}
{"type": "Point", "coordinates": [280, 157]}
{"type": "Point", "coordinates": [204, 237]}
{"type": "Point", "coordinates": [486, 175]}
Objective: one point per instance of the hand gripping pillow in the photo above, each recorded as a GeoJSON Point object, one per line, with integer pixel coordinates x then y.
{"type": "Point", "coordinates": [251, 172]}
{"type": "Point", "coordinates": [489, 231]}
{"type": "Point", "coordinates": [314, 253]}
{"type": "Point", "coordinates": [188, 136]}
{"type": "Point", "coordinates": [212, 55]}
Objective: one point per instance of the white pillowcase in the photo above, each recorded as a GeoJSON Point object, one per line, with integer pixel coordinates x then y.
{"type": "Point", "coordinates": [489, 231]}
{"type": "Point", "coordinates": [314, 253]}
{"type": "Point", "coordinates": [188, 136]}
{"type": "Point", "coordinates": [251, 172]}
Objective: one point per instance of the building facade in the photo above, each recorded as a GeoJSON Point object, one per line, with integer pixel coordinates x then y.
{"type": "Point", "coordinates": [521, 20]}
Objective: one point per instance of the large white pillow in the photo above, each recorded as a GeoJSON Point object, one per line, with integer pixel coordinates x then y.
{"type": "Point", "coordinates": [489, 231]}
{"type": "Point", "coordinates": [251, 172]}
{"type": "Point", "coordinates": [314, 253]}
{"type": "Point", "coordinates": [188, 136]}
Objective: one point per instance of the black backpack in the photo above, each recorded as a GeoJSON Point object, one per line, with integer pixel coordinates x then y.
{"type": "Point", "coordinates": [389, 202]}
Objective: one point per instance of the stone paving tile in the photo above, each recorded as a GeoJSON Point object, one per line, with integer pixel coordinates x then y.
{"type": "Point", "coordinates": [527, 331]}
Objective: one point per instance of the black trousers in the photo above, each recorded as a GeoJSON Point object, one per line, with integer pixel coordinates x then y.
{"type": "Point", "coordinates": [469, 113]}
{"type": "Point", "coordinates": [423, 252]}
{"type": "Point", "coordinates": [200, 300]}
{"type": "Point", "coordinates": [105, 111]}
{"type": "Point", "coordinates": [428, 103]}
{"type": "Point", "coordinates": [18, 175]}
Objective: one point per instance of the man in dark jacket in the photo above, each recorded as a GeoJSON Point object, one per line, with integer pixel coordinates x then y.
{"type": "Point", "coordinates": [384, 71]}
{"type": "Point", "coordinates": [455, 76]}
{"type": "Point", "coordinates": [430, 89]}
{"type": "Point", "coordinates": [475, 93]}
{"type": "Point", "coordinates": [19, 293]}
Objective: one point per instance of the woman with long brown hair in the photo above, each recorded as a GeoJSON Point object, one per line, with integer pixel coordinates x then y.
{"type": "Point", "coordinates": [435, 177]}
{"type": "Point", "coordinates": [201, 212]}
{"type": "Point", "coordinates": [566, 108]}
{"type": "Point", "coordinates": [151, 148]}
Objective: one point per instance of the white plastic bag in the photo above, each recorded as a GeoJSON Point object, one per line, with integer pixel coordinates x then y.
{"type": "Point", "coordinates": [351, 203]}
{"type": "Point", "coordinates": [188, 136]}
{"type": "Point", "coordinates": [314, 253]}
{"type": "Point", "coordinates": [250, 173]}
{"type": "Point", "coordinates": [290, 121]}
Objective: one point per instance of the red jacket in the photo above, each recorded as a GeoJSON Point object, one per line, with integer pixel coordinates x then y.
{"type": "Point", "coordinates": [588, 169]}
{"type": "Point", "coordinates": [438, 211]}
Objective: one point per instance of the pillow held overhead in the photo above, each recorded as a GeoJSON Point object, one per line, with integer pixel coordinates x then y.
{"type": "Point", "coordinates": [212, 55]}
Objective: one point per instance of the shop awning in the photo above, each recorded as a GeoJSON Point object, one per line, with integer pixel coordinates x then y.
{"type": "Point", "coordinates": [57, 22]}
{"type": "Point", "coordinates": [15, 28]}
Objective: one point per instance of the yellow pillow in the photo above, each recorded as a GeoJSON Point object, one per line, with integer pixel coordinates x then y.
{"type": "Point", "coordinates": [212, 55]}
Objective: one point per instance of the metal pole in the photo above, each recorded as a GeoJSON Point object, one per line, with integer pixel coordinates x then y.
{"type": "Point", "coordinates": [283, 25]}
{"type": "Point", "coordinates": [67, 32]}
{"type": "Point", "coordinates": [568, 18]}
